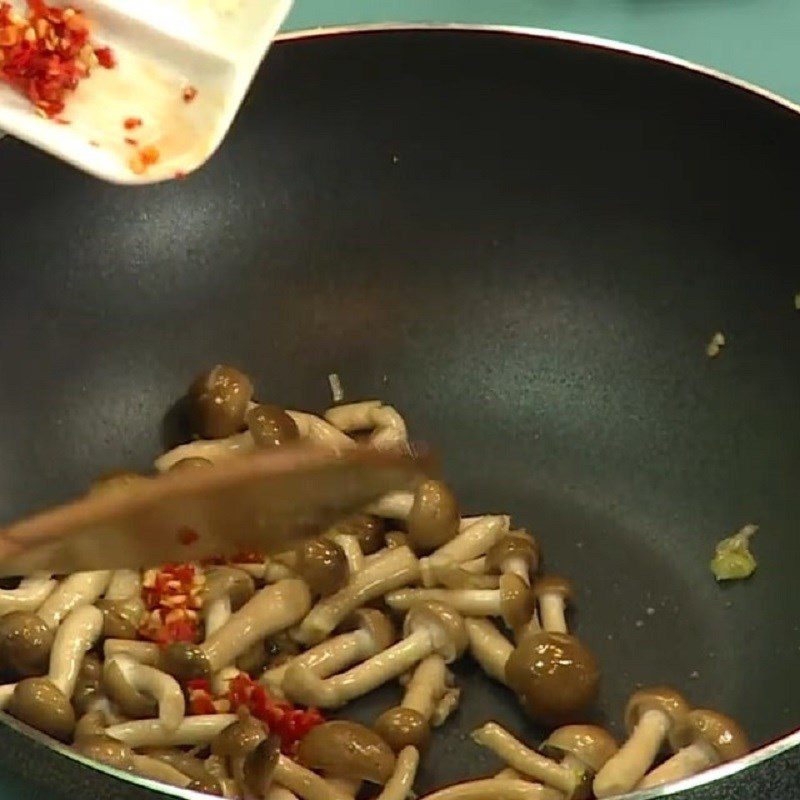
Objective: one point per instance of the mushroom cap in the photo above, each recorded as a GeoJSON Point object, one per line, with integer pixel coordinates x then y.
{"type": "Point", "coordinates": [322, 564]}
{"type": "Point", "coordinates": [108, 751]}
{"type": "Point", "coordinates": [553, 584]}
{"type": "Point", "coordinates": [91, 724]}
{"type": "Point", "coordinates": [376, 623]}
{"type": "Point", "coordinates": [25, 643]}
{"type": "Point", "coordinates": [235, 583]}
{"type": "Point", "coordinates": [240, 738]}
{"type": "Point", "coordinates": [87, 686]}
{"type": "Point", "coordinates": [193, 462]}
{"type": "Point", "coordinates": [591, 745]}
{"type": "Point", "coordinates": [368, 528]}
{"type": "Point", "coordinates": [554, 675]}
{"type": "Point", "coordinates": [514, 545]}
{"type": "Point", "coordinates": [517, 601]}
{"type": "Point", "coordinates": [209, 785]}
{"type": "Point", "coordinates": [451, 638]}
{"type": "Point", "coordinates": [434, 516]}
{"type": "Point", "coordinates": [724, 734]}
{"type": "Point", "coordinates": [402, 727]}
{"type": "Point", "coordinates": [259, 765]}
{"type": "Point", "coordinates": [189, 765]}
{"type": "Point", "coordinates": [132, 702]}
{"type": "Point", "coordinates": [218, 401]}
{"type": "Point", "coordinates": [271, 426]}
{"type": "Point", "coordinates": [345, 749]}
{"type": "Point", "coordinates": [38, 702]}
{"type": "Point", "coordinates": [122, 618]}
{"type": "Point", "coordinates": [665, 699]}
{"type": "Point", "coordinates": [185, 661]}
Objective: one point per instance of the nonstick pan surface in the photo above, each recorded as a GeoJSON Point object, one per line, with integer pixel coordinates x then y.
{"type": "Point", "coordinates": [525, 245]}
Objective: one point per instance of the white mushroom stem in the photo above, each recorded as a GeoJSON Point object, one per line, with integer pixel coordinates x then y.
{"type": "Point", "coordinates": [395, 505]}
{"type": "Point", "coordinates": [303, 686]}
{"type": "Point", "coordinates": [306, 784]}
{"type": "Point", "coordinates": [473, 540]}
{"type": "Point", "coordinates": [221, 682]}
{"type": "Point", "coordinates": [124, 584]}
{"type": "Point", "coordinates": [216, 613]}
{"type": "Point", "coordinates": [400, 785]}
{"type": "Point", "coordinates": [427, 686]}
{"type": "Point", "coordinates": [163, 688]}
{"type": "Point", "coordinates": [193, 731]}
{"type": "Point", "coordinates": [281, 793]}
{"type": "Point", "coordinates": [213, 450]}
{"type": "Point", "coordinates": [269, 611]}
{"type": "Point", "coordinates": [489, 647]}
{"type": "Point", "coordinates": [352, 551]}
{"type": "Point", "coordinates": [28, 596]}
{"type": "Point", "coordinates": [531, 626]}
{"type": "Point", "coordinates": [157, 770]}
{"type": "Point", "coordinates": [496, 789]}
{"type": "Point", "coordinates": [75, 636]}
{"type": "Point", "coordinates": [255, 570]}
{"type": "Point", "coordinates": [628, 766]}
{"type": "Point", "coordinates": [552, 610]}
{"type": "Point", "coordinates": [470, 602]}
{"type": "Point", "coordinates": [524, 760]}
{"type": "Point", "coordinates": [316, 430]}
{"type": "Point", "coordinates": [688, 761]}
{"type": "Point", "coordinates": [5, 694]}
{"type": "Point", "coordinates": [352, 417]}
{"type": "Point", "coordinates": [388, 428]}
{"type": "Point", "coordinates": [476, 565]}
{"type": "Point", "coordinates": [396, 567]}
{"type": "Point", "coordinates": [328, 657]}
{"type": "Point", "coordinates": [147, 653]}
{"type": "Point", "coordinates": [78, 589]}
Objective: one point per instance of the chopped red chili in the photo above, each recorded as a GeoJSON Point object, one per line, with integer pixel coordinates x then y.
{"type": "Point", "coordinates": [47, 53]}
{"type": "Point", "coordinates": [189, 94]}
{"type": "Point", "coordinates": [187, 536]}
{"type": "Point", "coordinates": [132, 122]}
{"type": "Point", "coordinates": [172, 596]}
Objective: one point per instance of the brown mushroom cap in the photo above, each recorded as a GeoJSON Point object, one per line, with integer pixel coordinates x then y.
{"type": "Point", "coordinates": [403, 727]}
{"type": "Point", "coordinates": [322, 564]}
{"type": "Point", "coordinates": [185, 661]}
{"type": "Point", "coordinates": [91, 724]}
{"type": "Point", "coordinates": [131, 701]}
{"type": "Point", "coordinates": [240, 738]}
{"type": "Point", "coordinates": [440, 616]}
{"type": "Point", "coordinates": [108, 751]}
{"type": "Point", "coordinates": [42, 705]}
{"type": "Point", "coordinates": [376, 623]}
{"type": "Point", "coordinates": [367, 528]}
{"type": "Point", "coordinates": [193, 462]}
{"type": "Point", "coordinates": [189, 765]}
{"type": "Point", "coordinates": [517, 601]}
{"type": "Point", "coordinates": [346, 749]}
{"type": "Point", "coordinates": [218, 401]}
{"type": "Point", "coordinates": [209, 785]}
{"type": "Point", "coordinates": [553, 585]}
{"type": "Point", "coordinates": [724, 734]}
{"type": "Point", "coordinates": [259, 765]}
{"type": "Point", "coordinates": [514, 545]}
{"type": "Point", "coordinates": [591, 745]}
{"type": "Point", "coordinates": [235, 583]}
{"type": "Point", "coordinates": [554, 675]}
{"type": "Point", "coordinates": [271, 426]}
{"type": "Point", "coordinates": [667, 700]}
{"type": "Point", "coordinates": [122, 618]}
{"type": "Point", "coordinates": [25, 643]}
{"type": "Point", "coordinates": [87, 687]}
{"type": "Point", "coordinates": [434, 516]}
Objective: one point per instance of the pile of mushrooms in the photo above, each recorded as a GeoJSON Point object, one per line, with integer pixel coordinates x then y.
{"type": "Point", "coordinates": [396, 593]}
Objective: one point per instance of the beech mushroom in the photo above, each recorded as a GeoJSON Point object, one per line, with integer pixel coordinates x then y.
{"type": "Point", "coordinates": [366, 528]}
{"type": "Point", "coordinates": [713, 739]}
{"type": "Point", "coordinates": [195, 730]}
{"type": "Point", "coordinates": [516, 553]}
{"type": "Point", "coordinates": [140, 690]}
{"type": "Point", "coordinates": [318, 431]}
{"type": "Point", "coordinates": [343, 749]}
{"type": "Point", "coordinates": [401, 784]}
{"type": "Point", "coordinates": [272, 609]}
{"type": "Point", "coordinates": [88, 684]}
{"type": "Point", "coordinates": [218, 401]}
{"type": "Point", "coordinates": [148, 653]}
{"type": "Point", "coordinates": [44, 703]}
{"type": "Point", "coordinates": [236, 742]}
{"type": "Point", "coordinates": [573, 780]}
{"type": "Point", "coordinates": [259, 766]}
{"type": "Point", "coordinates": [652, 716]}
{"type": "Point", "coordinates": [554, 675]}
{"type": "Point", "coordinates": [211, 450]}
{"type": "Point", "coordinates": [306, 784]}
{"type": "Point", "coordinates": [75, 590]}
{"type": "Point", "coordinates": [496, 789]}
{"type": "Point", "coordinates": [584, 749]}
{"type": "Point", "coordinates": [388, 429]}
{"type": "Point", "coordinates": [6, 693]}
{"type": "Point", "coordinates": [227, 589]}
{"type": "Point", "coordinates": [553, 592]}
{"type": "Point", "coordinates": [429, 628]}
{"type": "Point", "coordinates": [25, 643]}
{"type": "Point", "coordinates": [189, 765]}
{"type": "Point", "coordinates": [271, 426]}
{"type": "Point", "coordinates": [392, 569]}
{"type": "Point", "coordinates": [322, 564]}
{"type": "Point", "coordinates": [28, 596]}
{"type": "Point", "coordinates": [489, 647]}
{"type": "Point", "coordinates": [513, 601]}
{"type": "Point", "coordinates": [372, 633]}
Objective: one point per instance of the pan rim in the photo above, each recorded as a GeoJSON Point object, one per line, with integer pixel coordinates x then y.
{"type": "Point", "coordinates": [763, 754]}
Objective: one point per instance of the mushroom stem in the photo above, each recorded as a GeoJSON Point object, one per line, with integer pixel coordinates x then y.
{"type": "Point", "coordinates": [6, 691]}
{"type": "Point", "coordinates": [28, 596]}
{"type": "Point", "coordinates": [489, 647]}
{"type": "Point", "coordinates": [124, 584]}
{"type": "Point", "coordinates": [317, 430]}
{"type": "Point", "coordinates": [400, 785]}
{"type": "Point", "coordinates": [395, 568]}
{"type": "Point", "coordinates": [280, 793]}
{"type": "Point", "coordinates": [74, 637]}
{"type": "Point", "coordinates": [213, 450]}
{"type": "Point", "coordinates": [525, 760]}
{"type": "Point", "coordinates": [193, 731]}
{"type": "Point", "coordinates": [688, 761]}
{"type": "Point", "coordinates": [474, 539]}
{"type": "Point", "coordinates": [471, 602]}
{"type": "Point", "coordinates": [476, 566]}
{"type": "Point", "coordinates": [76, 590]}
{"type": "Point", "coordinates": [497, 789]}
{"type": "Point", "coordinates": [273, 609]}
{"type": "Point", "coordinates": [217, 612]}
{"type": "Point", "coordinates": [352, 551]}
{"type": "Point", "coordinates": [304, 783]}
{"type": "Point", "coordinates": [552, 611]}
{"type": "Point", "coordinates": [394, 505]}
{"type": "Point", "coordinates": [624, 770]}
{"type": "Point", "coordinates": [146, 653]}
{"type": "Point", "coordinates": [157, 770]}
{"type": "Point", "coordinates": [427, 685]}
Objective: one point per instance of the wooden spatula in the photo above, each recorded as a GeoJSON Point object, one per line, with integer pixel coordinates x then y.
{"type": "Point", "coordinates": [265, 501]}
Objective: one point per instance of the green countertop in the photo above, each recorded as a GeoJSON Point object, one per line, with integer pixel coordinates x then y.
{"type": "Point", "coordinates": [754, 40]}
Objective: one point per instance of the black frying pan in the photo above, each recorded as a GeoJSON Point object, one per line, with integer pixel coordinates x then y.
{"type": "Point", "coordinates": [524, 244]}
